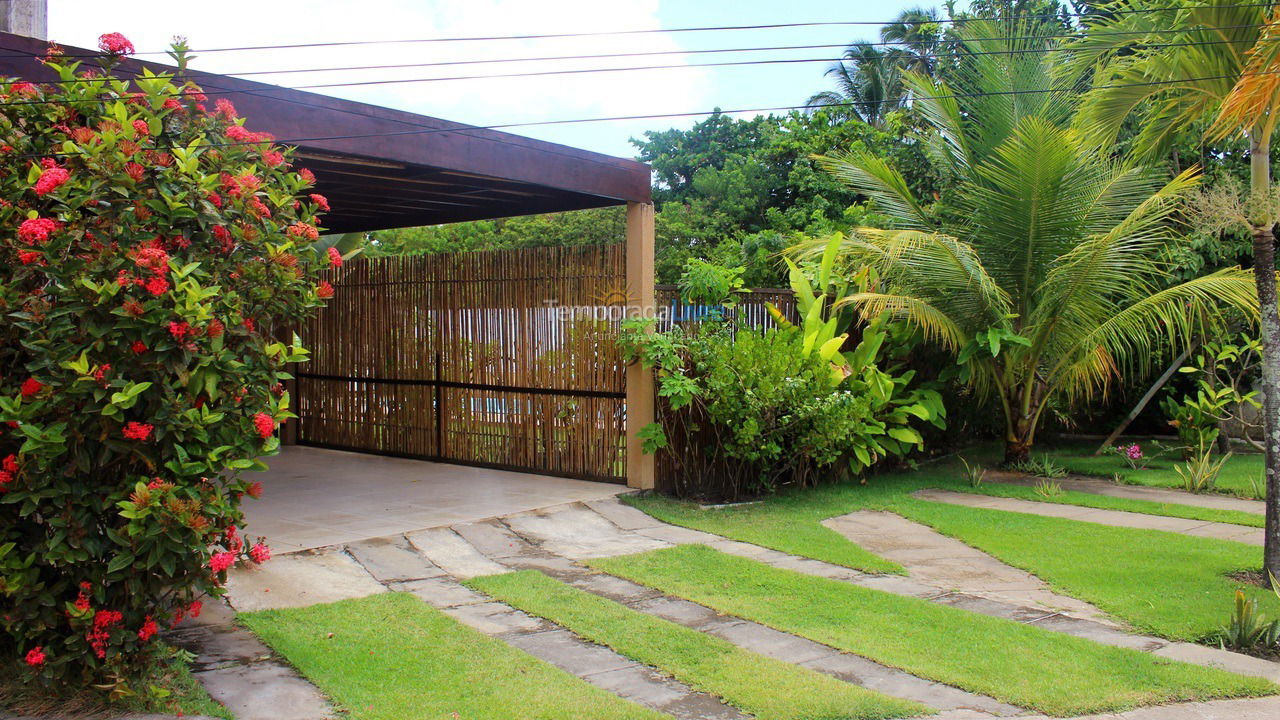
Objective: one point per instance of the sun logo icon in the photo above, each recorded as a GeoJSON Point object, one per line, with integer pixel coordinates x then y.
{"type": "Point", "coordinates": [614, 294]}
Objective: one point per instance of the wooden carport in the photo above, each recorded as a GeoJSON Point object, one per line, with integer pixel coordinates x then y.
{"type": "Point", "coordinates": [383, 168]}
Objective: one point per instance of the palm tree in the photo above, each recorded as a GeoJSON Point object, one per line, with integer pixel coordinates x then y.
{"type": "Point", "coordinates": [868, 82]}
{"type": "Point", "coordinates": [1041, 273]}
{"type": "Point", "coordinates": [919, 32]}
{"type": "Point", "coordinates": [1177, 70]}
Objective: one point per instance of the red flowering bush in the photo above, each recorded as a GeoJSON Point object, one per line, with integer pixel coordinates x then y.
{"type": "Point", "coordinates": [149, 251]}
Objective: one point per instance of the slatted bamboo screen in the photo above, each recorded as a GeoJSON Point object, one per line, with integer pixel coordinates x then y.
{"type": "Point", "coordinates": [751, 310]}
{"type": "Point", "coordinates": [501, 358]}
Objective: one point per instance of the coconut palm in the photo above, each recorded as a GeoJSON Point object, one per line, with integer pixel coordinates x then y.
{"type": "Point", "coordinates": [1203, 66]}
{"type": "Point", "coordinates": [1041, 271]}
{"type": "Point", "coordinates": [868, 82]}
{"type": "Point", "coordinates": [919, 32]}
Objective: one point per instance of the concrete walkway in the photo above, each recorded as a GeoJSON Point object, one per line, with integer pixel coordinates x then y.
{"type": "Point", "coordinates": [1115, 518]}
{"type": "Point", "coordinates": [315, 497]}
{"type": "Point", "coordinates": [1098, 486]}
{"type": "Point", "coordinates": [430, 564]}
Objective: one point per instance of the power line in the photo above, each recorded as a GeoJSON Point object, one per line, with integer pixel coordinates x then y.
{"type": "Point", "coordinates": [584, 71]}
{"type": "Point", "coordinates": [710, 28]}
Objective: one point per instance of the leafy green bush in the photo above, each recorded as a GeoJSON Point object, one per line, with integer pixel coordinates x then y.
{"type": "Point", "coordinates": [152, 245]}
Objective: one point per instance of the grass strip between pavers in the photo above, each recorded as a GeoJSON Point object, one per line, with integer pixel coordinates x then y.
{"type": "Point", "coordinates": [1020, 664]}
{"type": "Point", "coordinates": [767, 688]}
{"type": "Point", "coordinates": [394, 657]}
{"type": "Point", "coordinates": [1167, 584]}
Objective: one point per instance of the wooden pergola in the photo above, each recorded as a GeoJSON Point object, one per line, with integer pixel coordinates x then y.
{"type": "Point", "coordinates": [383, 168]}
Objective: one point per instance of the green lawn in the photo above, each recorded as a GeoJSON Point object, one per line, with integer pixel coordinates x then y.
{"type": "Point", "coordinates": [763, 687]}
{"type": "Point", "coordinates": [1078, 457]}
{"type": "Point", "coordinates": [1166, 584]}
{"type": "Point", "coordinates": [393, 657]}
{"type": "Point", "coordinates": [1021, 664]}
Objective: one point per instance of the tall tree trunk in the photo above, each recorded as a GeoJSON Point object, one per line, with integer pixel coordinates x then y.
{"type": "Point", "coordinates": [1264, 271]}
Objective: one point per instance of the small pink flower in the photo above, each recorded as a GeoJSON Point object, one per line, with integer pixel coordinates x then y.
{"type": "Point", "coordinates": [259, 553]}
{"type": "Point", "coordinates": [221, 561]}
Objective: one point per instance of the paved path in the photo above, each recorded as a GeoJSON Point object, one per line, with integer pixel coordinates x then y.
{"type": "Point", "coordinates": [1098, 486]}
{"type": "Point", "coordinates": [1116, 518]}
{"type": "Point", "coordinates": [430, 564]}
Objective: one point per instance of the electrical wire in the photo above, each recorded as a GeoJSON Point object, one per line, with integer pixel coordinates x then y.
{"type": "Point", "coordinates": [586, 71]}
{"type": "Point", "coordinates": [711, 28]}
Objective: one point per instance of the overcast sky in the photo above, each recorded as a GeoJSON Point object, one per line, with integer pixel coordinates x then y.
{"type": "Point", "coordinates": [150, 24]}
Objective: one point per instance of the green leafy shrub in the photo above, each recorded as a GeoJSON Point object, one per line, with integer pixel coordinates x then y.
{"type": "Point", "coordinates": [1247, 630]}
{"type": "Point", "coordinates": [1041, 466]}
{"type": "Point", "coordinates": [1200, 473]}
{"type": "Point", "coordinates": [152, 246]}
{"type": "Point", "coordinates": [975, 475]}
{"type": "Point", "coordinates": [1223, 374]}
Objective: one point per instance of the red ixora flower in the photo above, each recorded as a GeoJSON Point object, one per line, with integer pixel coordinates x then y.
{"type": "Point", "coordinates": [157, 286]}
{"type": "Point", "coordinates": [27, 257]}
{"type": "Point", "coordinates": [148, 629]}
{"type": "Point", "coordinates": [138, 347]}
{"type": "Point", "coordinates": [135, 171]}
{"type": "Point", "coordinates": [264, 425]}
{"type": "Point", "coordinates": [115, 44]}
{"type": "Point", "coordinates": [321, 201]}
{"type": "Point", "coordinates": [10, 464]}
{"type": "Point", "coordinates": [335, 257]}
{"type": "Point", "coordinates": [30, 387]}
{"type": "Point", "coordinates": [221, 561]}
{"type": "Point", "coordinates": [36, 656]}
{"type": "Point", "coordinates": [225, 108]}
{"type": "Point", "coordinates": [141, 127]}
{"type": "Point", "coordinates": [324, 290]}
{"type": "Point", "coordinates": [179, 330]}
{"type": "Point", "coordinates": [36, 230]}
{"type": "Point", "coordinates": [134, 430]}
{"type": "Point", "coordinates": [51, 179]}
{"type": "Point", "coordinates": [254, 490]}
{"type": "Point", "coordinates": [259, 553]}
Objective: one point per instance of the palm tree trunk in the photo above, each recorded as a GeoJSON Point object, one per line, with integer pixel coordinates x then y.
{"type": "Point", "coordinates": [1264, 272]}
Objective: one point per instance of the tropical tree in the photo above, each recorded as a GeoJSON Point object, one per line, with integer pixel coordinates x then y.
{"type": "Point", "coordinates": [1213, 68]}
{"type": "Point", "coordinates": [918, 31]}
{"type": "Point", "coordinates": [1039, 269]}
{"type": "Point", "coordinates": [868, 82]}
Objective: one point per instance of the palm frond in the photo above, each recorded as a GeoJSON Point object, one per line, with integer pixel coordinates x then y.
{"type": "Point", "coordinates": [875, 178]}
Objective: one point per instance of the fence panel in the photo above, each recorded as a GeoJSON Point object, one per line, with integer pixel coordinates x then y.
{"type": "Point", "coordinates": [501, 358]}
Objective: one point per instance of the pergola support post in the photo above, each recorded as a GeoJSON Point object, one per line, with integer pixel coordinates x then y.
{"type": "Point", "coordinates": [640, 303]}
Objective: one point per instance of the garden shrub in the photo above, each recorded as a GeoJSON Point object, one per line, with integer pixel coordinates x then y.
{"type": "Point", "coordinates": [742, 413]}
{"type": "Point", "coordinates": [153, 249]}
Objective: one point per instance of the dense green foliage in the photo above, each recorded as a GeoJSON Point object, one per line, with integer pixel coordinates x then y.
{"type": "Point", "coordinates": [1041, 269]}
{"type": "Point", "coordinates": [743, 412]}
{"type": "Point", "coordinates": [151, 246]}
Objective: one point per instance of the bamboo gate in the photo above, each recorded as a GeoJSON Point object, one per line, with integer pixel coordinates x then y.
{"type": "Point", "coordinates": [503, 359]}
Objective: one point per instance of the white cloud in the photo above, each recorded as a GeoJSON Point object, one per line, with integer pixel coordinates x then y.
{"type": "Point", "coordinates": [234, 23]}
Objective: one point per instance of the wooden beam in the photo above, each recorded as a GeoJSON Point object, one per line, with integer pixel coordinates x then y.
{"type": "Point", "coordinates": [641, 303]}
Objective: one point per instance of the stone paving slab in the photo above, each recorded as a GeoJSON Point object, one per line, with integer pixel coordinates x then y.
{"type": "Point", "coordinates": [1114, 518]}
{"type": "Point", "coordinates": [219, 645]}
{"type": "Point", "coordinates": [492, 538]}
{"type": "Point", "coordinates": [440, 592]}
{"type": "Point", "coordinates": [577, 532]}
{"type": "Point", "coordinates": [623, 515]}
{"type": "Point", "coordinates": [949, 564]}
{"type": "Point", "coordinates": [493, 618]}
{"type": "Point", "coordinates": [265, 691]}
{"type": "Point", "coordinates": [1224, 659]}
{"type": "Point", "coordinates": [1253, 709]}
{"type": "Point", "coordinates": [1098, 486]}
{"type": "Point", "coordinates": [448, 551]}
{"type": "Point", "coordinates": [393, 560]}
{"type": "Point", "coordinates": [298, 580]}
